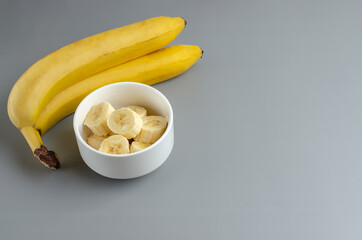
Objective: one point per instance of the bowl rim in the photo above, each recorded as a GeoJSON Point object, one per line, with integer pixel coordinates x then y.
{"type": "Point", "coordinates": [122, 156]}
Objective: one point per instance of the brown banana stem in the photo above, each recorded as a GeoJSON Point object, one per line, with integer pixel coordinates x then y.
{"type": "Point", "coordinates": [46, 157]}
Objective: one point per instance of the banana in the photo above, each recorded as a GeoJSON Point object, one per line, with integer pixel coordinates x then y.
{"type": "Point", "coordinates": [77, 61]}
{"type": "Point", "coordinates": [116, 144]}
{"type": "Point", "coordinates": [138, 146]}
{"type": "Point", "coordinates": [152, 129]}
{"type": "Point", "coordinates": [74, 62]}
{"type": "Point", "coordinates": [96, 118]}
{"type": "Point", "coordinates": [95, 141]}
{"type": "Point", "coordinates": [139, 110]}
{"type": "Point", "coordinates": [125, 122]}
{"type": "Point", "coordinates": [153, 68]}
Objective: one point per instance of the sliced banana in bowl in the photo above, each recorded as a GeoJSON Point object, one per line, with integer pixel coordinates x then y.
{"type": "Point", "coordinates": [112, 127]}
{"type": "Point", "coordinates": [96, 118]}
{"type": "Point", "coordinates": [138, 146]}
{"type": "Point", "coordinates": [152, 129]}
{"type": "Point", "coordinates": [116, 144]}
{"type": "Point", "coordinates": [126, 122]}
{"type": "Point", "coordinates": [115, 136]}
{"type": "Point", "coordinates": [139, 110]}
{"type": "Point", "coordinates": [95, 141]}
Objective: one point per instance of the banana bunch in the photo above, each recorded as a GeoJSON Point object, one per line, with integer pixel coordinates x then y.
{"type": "Point", "coordinates": [53, 87]}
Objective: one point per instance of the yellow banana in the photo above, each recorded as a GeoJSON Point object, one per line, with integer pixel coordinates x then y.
{"type": "Point", "coordinates": [150, 69]}
{"type": "Point", "coordinates": [74, 62]}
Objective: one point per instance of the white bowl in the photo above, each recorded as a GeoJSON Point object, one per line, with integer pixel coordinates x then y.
{"type": "Point", "coordinates": [134, 164]}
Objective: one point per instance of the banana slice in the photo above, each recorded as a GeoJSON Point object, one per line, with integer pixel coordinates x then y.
{"type": "Point", "coordinates": [138, 146]}
{"type": "Point", "coordinates": [139, 110]}
{"type": "Point", "coordinates": [116, 144]}
{"type": "Point", "coordinates": [95, 141]}
{"type": "Point", "coordinates": [126, 122]}
{"type": "Point", "coordinates": [152, 130]}
{"type": "Point", "coordinates": [96, 118]}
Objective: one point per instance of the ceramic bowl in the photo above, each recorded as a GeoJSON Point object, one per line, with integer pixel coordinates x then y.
{"type": "Point", "coordinates": [127, 165]}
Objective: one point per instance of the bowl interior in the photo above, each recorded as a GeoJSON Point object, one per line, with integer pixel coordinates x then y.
{"type": "Point", "coordinates": [123, 95]}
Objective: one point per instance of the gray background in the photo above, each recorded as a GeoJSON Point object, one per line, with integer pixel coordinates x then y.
{"type": "Point", "coordinates": [268, 127]}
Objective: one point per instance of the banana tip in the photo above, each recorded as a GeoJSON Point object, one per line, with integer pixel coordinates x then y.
{"type": "Point", "coordinates": [185, 22]}
{"type": "Point", "coordinates": [46, 157]}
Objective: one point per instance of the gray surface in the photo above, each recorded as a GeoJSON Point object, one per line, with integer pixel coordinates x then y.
{"type": "Point", "coordinates": [268, 127]}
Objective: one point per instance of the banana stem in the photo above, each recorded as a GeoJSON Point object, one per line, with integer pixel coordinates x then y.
{"type": "Point", "coordinates": [46, 157]}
